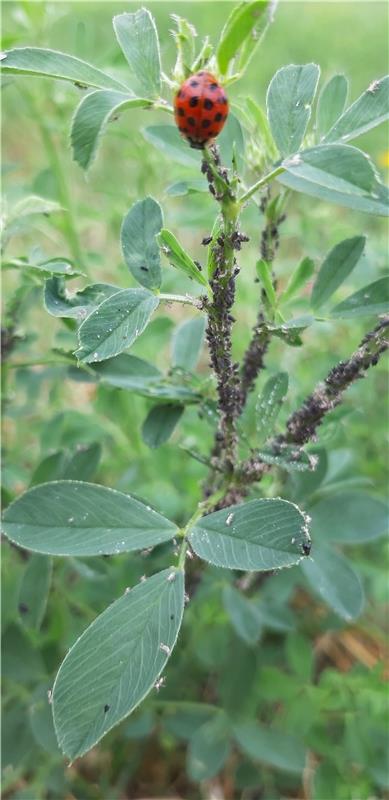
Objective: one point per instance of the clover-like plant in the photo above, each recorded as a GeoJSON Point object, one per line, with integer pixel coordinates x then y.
{"type": "Point", "coordinates": [260, 159]}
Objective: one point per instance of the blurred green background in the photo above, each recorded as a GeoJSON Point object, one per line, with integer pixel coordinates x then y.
{"type": "Point", "coordinates": [314, 675]}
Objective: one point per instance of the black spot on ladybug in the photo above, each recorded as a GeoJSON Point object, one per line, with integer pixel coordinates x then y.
{"type": "Point", "coordinates": [23, 608]}
{"type": "Point", "coordinates": [181, 112]}
{"type": "Point", "coordinates": [193, 102]}
{"type": "Point", "coordinates": [106, 708]}
{"type": "Point", "coordinates": [218, 117]}
{"type": "Point", "coordinates": [208, 103]}
{"type": "Point", "coordinates": [193, 83]}
{"type": "Point", "coordinates": [191, 121]}
{"type": "Point", "coordinates": [205, 123]}
{"type": "Point", "coordinates": [214, 86]}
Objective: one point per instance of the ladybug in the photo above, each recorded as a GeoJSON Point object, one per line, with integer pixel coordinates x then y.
{"type": "Point", "coordinates": [200, 109]}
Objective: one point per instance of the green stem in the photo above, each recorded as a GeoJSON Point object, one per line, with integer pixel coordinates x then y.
{"type": "Point", "coordinates": [201, 509]}
{"type": "Point", "coordinates": [179, 298]}
{"type": "Point", "coordinates": [162, 105]}
{"type": "Point", "coordinates": [262, 182]}
{"type": "Point", "coordinates": [41, 363]}
{"type": "Point", "coordinates": [59, 173]}
{"type": "Point", "coordinates": [230, 210]}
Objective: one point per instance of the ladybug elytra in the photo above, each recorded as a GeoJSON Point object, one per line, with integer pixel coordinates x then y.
{"type": "Point", "coordinates": [200, 109]}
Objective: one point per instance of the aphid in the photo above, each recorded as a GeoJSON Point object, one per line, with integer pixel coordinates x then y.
{"type": "Point", "coordinates": [200, 109]}
{"type": "Point", "coordinates": [306, 548]}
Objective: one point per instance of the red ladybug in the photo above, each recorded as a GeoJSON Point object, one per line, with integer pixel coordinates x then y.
{"type": "Point", "coordinates": [200, 109]}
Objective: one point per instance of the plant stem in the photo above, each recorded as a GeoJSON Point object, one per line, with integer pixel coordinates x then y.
{"type": "Point", "coordinates": [220, 320]}
{"type": "Point", "coordinates": [201, 510]}
{"type": "Point", "coordinates": [253, 359]}
{"type": "Point", "coordinates": [59, 173]}
{"type": "Point", "coordinates": [180, 298]}
{"type": "Point", "coordinates": [262, 182]}
{"type": "Point", "coordinates": [302, 425]}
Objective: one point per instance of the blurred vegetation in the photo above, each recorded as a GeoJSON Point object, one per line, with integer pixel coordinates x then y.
{"type": "Point", "coordinates": [314, 674]}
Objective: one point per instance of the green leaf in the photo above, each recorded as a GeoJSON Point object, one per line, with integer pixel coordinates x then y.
{"type": "Point", "coordinates": [138, 242]}
{"type": "Point", "coordinates": [115, 324]}
{"type": "Point", "coordinates": [116, 661]}
{"type": "Point", "coordinates": [261, 124]}
{"type": "Point", "coordinates": [300, 656]}
{"type": "Point", "coordinates": [160, 423]}
{"type": "Point", "coordinates": [134, 374]}
{"type": "Point", "coordinates": [231, 142]}
{"type": "Point", "coordinates": [372, 299]}
{"type": "Point", "coordinates": [182, 188]}
{"type": "Point", "coordinates": [50, 468]}
{"type": "Point", "coordinates": [59, 302]}
{"type": "Point", "coordinates": [369, 110]}
{"type": "Point", "coordinates": [331, 576]}
{"type": "Point", "coordinates": [336, 173]}
{"type": "Point", "coordinates": [127, 372]}
{"type": "Point", "coordinates": [331, 103]}
{"type": "Point", "coordinates": [140, 726]}
{"type": "Point", "coordinates": [259, 535]}
{"type": "Point", "coordinates": [187, 343]}
{"type": "Point", "coordinates": [91, 118]}
{"type": "Point", "coordinates": [18, 218]}
{"type": "Point", "coordinates": [34, 590]}
{"type": "Point", "coordinates": [22, 662]}
{"type": "Point", "coordinates": [238, 28]}
{"type": "Point", "coordinates": [208, 749]}
{"type": "Point", "coordinates": [349, 518]}
{"type": "Point", "coordinates": [289, 101]}
{"type": "Point", "coordinates": [274, 617]}
{"type": "Point", "coordinates": [256, 36]}
{"type": "Point", "coordinates": [271, 746]}
{"type": "Point", "coordinates": [289, 457]}
{"type": "Point", "coordinates": [16, 747]}
{"type": "Point", "coordinates": [168, 141]}
{"type": "Point", "coordinates": [178, 257]}
{"type": "Point", "coordinates": [243, 614]}
{"type": "Point", "coordinates": [54, 266]}
{"type": "Point", "coordinates": [83, 519]}
{"type": "Point", "coordinates": [269, 404]}
{"type": "Point", "coordinates": [264, 273]}
{"type": "Point", "coordinates": [138, 38]}
{"type": "Point", "coordinates": [184, 40]}
{"type": "Point", "coordinates": [298, 279]}
{"type": "Point", "coordinates": [41, 722]}
{"type": "Point", "coordinates": [305, 484]}
{"type": "Point", "coordinates": [335, 268]}
{"type": "Point", "coordinates": [53, 64]}
{"type": "Point", "coordinates": [83, 464]}
{"type": "Point", "coordinates": [289, 330]}
{"type": "Point", "coordinates": [183, 719]}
